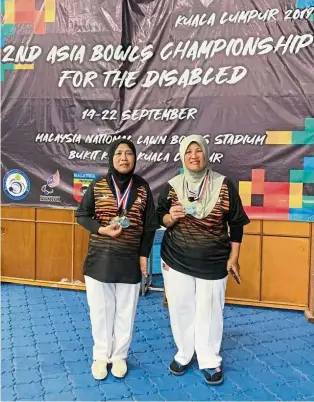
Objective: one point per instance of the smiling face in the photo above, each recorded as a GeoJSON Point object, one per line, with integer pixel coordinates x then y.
{"type": "Point", "coordinates": [123, 159]}
{"type": "Point", "coordinates": [194, 158]}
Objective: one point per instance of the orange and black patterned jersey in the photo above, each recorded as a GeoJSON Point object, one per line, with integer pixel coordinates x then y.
{"type": "Point", "coordinates": [201, 247]}
{"type": "Point", "coordinates": [116, 260]}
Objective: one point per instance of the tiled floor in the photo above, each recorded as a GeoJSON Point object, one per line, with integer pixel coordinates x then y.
{"type": "Point", "coordinates": [47, 345]}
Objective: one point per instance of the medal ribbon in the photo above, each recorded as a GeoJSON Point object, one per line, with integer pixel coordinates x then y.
{"type": "Point", "coordinates": [122, 199]}
{"type": "Point", "coordinates": [198, 195]}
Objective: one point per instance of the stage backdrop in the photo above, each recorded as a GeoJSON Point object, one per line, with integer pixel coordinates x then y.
{"type": "Point", "coordinates": [76, 74]}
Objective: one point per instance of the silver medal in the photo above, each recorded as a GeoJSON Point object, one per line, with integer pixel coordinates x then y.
{"type": "Point", "coordinates": [116, 219]}
{"type": "Point", "coordinates": [124, 222]}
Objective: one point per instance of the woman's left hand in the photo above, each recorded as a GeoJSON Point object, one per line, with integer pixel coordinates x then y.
{"type": "Point", "coordinates": [143, 265]}
{"type": "Point", "coordinates": [233, 265]}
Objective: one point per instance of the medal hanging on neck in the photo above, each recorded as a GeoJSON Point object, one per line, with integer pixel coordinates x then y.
{"type": "Point", "coordinates": [122, 203]}
{"type": "Point", "coordinates": [194, 197]}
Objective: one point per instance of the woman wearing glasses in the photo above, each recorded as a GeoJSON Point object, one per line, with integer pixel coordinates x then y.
{"type": "Point", "coordinates": [197, 207]}
{"type": "Point", "coordinates": [118, 211]}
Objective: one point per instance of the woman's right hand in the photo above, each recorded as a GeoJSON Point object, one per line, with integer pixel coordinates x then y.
{"type": "Point", "coordinates": [176, 212]}
{"type": "Point", "coordinates": [113, 230]}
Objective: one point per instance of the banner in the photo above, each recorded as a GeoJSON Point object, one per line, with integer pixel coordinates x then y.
{"type": "Point", "coordinates": [77, 75]}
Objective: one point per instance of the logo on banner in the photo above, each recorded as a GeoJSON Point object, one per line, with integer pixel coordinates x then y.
{"type": "Point", "coordinates": [16, 184]}
{"type": "Point", "coordinates": [47, 189]}
{"type": "Point", "coordinates": [81, 181]}
{"type": "Point", "coordinates": [206, 3]}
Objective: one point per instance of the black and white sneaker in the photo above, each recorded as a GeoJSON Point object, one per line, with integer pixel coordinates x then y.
{"type": "Point", "coordinates": [176, 368]}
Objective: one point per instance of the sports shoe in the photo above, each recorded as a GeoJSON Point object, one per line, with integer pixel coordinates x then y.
{"type": "Point", "coordinates": [119, 368]}
{"type": "Point", "coordinates": [99, 369]}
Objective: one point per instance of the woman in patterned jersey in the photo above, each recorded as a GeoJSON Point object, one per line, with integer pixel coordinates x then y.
{"type": "Point", "coordinates": [119, 212]}
{"type": "Point", "coordinates": [197, 208]}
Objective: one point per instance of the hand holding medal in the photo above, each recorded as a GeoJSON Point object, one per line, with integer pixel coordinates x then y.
{"type": "Point", "coordinates": [176, 212]}
{"type": "Point", "coordinates": [113, 230]}
{"type": "Point", "coordinates": [122, 201]}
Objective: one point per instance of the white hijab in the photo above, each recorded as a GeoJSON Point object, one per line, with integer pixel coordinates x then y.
{"type": "Point", "coordinates": [194, 179]}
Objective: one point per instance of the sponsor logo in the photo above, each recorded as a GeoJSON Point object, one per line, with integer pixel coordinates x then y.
{"type": "Point", "coordinates": [81, 181]}
{"type": "Point", "coordinates": [16, 184]}
{"type": "Point", "coordinates": [47, 189]}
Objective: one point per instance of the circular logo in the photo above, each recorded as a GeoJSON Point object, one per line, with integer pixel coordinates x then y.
{"type": "Point", "coordinates": [16, 184]}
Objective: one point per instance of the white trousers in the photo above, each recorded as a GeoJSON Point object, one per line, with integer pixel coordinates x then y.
{"type": "Point", "coordinates": [196, 316]}
{"type": "Point", "coordinates": [112, 309]}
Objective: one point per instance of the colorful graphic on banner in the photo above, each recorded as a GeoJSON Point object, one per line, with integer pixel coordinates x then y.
{"type": "Point", "coordinates": [81, 181]}
{"type": "Point", "coordinates": [77, 75]}
{"type": "Point", "coordinates": [24, 12]}
{"type": "Point", "coordinates": [291, 200]}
